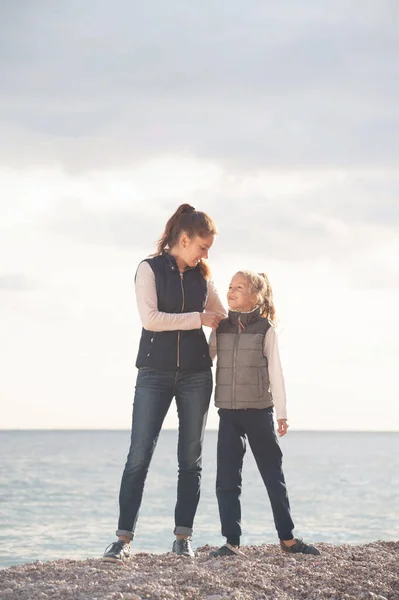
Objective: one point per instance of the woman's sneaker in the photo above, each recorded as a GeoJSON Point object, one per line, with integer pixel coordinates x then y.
{"type": "Point", "coordinates": [226, 550]}
{"type": "Point", "coordinates": [182, 547]}
{"type": "Point", "coordinates": [299, 547]}
{"type": "Point", "coordinates": [118, 552]}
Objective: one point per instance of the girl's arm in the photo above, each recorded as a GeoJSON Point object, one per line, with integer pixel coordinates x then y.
{"type": "Point", "coordinates": [276, 377]}
{"type": "Point", "coordinates": [212, 345]}
{"type": "Point", "coordinates": [147, 303]}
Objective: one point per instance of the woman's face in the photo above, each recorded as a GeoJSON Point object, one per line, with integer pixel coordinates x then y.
{"type": "Point", "coordinates": [192, 250]}
{"type": "Point", "coordinates": [240, 296]}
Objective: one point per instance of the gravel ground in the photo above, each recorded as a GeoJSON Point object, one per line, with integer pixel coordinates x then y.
{"type": "Point", "coordinates": [340, 573]}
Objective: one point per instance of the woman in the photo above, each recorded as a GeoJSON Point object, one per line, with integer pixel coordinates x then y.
{"type": "Point", "coordinates": [175, 298]}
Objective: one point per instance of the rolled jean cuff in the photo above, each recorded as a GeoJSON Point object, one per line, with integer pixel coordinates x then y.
{"type": "Point", "coordinates": [124, 533]}
{"type": "Point", "coordinates": [234, 540]}
{"type": "Point", "coordinates": [179, 530]}
{"type": "Point", "coordinates": [288, 536]}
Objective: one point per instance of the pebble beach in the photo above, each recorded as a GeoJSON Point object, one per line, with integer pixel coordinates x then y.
{"type": "Point", "coordinates": [265, 573]}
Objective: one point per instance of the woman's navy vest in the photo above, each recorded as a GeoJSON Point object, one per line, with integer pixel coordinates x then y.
{"type": "Point", "coordinates": [177, 293]}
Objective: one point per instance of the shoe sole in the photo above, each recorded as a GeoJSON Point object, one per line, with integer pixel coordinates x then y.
{"type": "Point", "coordinates": [118, 561]}
{"type": "Point", "coordinates": [304, 553]}
{"type": "Point", "coordinates": [183, 555]}
{"type": "Point", "coordinates": [233, 551]}
{"type": "Point", "coordinates": [239, 556]}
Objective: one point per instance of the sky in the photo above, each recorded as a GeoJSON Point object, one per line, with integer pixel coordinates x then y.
{"type": "Point", "coordinates": [280, 120]}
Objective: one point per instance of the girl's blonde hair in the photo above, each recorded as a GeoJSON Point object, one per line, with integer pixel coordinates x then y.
{"type": "Point", "coordinates": [191, 221]}
{"type": "Point", "coordinates": [260, 285]}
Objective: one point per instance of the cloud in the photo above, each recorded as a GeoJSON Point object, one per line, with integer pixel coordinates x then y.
{"type": "Point", "coordinates": [290, 215]}
{"type": "Point", "coordinates": [279, 119]}
{"type": "Point", "coordinates": [347, 218]}
{"type": "Point", "coordinates": [260, 84]}
{"type": "Point", "coordinates": [112, 227]}
{"type": "Point", "coordinates": [16, 282]}
{"type": "Point", "coordinates": [375, 268]}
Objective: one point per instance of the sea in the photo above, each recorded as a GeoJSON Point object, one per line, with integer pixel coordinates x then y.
{"type": "Point", "coordinates": [59, 492]}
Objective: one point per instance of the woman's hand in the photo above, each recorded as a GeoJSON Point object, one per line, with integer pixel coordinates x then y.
{"type": "Point", "coordinates": [211, 319]}
{"type": "Point", "coordinates": [282, 427]}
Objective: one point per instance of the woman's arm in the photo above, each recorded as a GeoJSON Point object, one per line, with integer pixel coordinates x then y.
{"type": "Point", "coordinates": [147, 303]}
{"type": "Point", "coordinates": [213, 303]}
{"type": "Point", "coordinates": [276, 377]}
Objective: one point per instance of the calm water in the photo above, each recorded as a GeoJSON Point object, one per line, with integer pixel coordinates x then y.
{"type": "Point", "coordinates": [59, 492]}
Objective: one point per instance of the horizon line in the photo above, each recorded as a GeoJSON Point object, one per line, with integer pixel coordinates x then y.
{"type": "Point", "coordinates": [175, 429]}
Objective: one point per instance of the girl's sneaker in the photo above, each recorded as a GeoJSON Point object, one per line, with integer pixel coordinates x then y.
{"type": "Point", "coordinates": [226, 550]}
{"type": "Point", "coordinates": [118, 552]}
{"type": "Point", "coordinates": [299, 547]}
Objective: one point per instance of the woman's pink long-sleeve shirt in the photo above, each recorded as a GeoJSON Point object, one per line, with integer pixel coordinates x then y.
{"type": "Point", "coordinates": [154, 320]}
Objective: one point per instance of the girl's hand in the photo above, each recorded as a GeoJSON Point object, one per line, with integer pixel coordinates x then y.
{"type": "Point", "coordinates": [211, 319]}
{"type": "Point", "coordinates": [282, 427]}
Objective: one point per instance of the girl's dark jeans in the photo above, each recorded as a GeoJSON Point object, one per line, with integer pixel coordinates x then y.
{"type": "Point", "coordinates": [154, 393]}
{"type": "Point", "coordinates": [257, 426]}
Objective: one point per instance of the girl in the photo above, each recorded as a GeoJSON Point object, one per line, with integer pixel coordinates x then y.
{"type": "Point", "coordinates": [249, 383]}
{"type": "Point", "coordinates": [175, 298]}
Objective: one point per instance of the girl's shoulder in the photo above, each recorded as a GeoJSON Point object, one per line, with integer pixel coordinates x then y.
{"type": "Point", "coordinates": [274, 327]}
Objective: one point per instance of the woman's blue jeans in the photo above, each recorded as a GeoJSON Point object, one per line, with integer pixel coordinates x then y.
{"type": "Point", "coordinates": [154, 393]}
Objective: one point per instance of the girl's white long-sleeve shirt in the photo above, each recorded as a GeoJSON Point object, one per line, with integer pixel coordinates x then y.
{"type": "Point", "coordinates": [276, 377]}
{"type": "Point", "coordinates": [154, 320]}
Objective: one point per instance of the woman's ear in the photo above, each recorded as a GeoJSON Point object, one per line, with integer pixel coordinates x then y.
{"type": "Point", "coordinates": [184, 239]}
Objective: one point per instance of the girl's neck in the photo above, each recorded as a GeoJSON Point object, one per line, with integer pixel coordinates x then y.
{"type": "Point", "coordinates": [240, 310]}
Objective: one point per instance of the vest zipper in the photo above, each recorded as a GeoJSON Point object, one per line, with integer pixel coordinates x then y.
{"type": "Point", "coordinates": [182, 310]}
{"type": "Point", "coordinates": [235, 352]}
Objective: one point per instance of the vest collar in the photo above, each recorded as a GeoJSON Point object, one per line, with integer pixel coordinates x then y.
{"type": "Point", "coordinates": [170, 260]}
{"type": "Point", "coordinates": [246, 318]}
{"type": "Point", "coordinates": [172, 264]}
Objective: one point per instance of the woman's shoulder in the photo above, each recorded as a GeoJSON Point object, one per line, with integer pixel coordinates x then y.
{"type": "Point", "coordinates": [160, 261]}
{"type": "Point", "coordinates": [150, 259]}
{"type": "Point", "coordinates": [144, 270]}
{"type": "Point", "coordinates": [149, 262]}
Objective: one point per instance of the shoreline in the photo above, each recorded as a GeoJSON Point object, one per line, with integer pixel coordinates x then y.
{"type": "Point", "coordinates": [341, 572]}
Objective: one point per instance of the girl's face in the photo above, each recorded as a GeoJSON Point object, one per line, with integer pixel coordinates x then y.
{"type": "Point", "coordinates": [240, 296]}
{"type": "Point", "coordinates": [191, 251]}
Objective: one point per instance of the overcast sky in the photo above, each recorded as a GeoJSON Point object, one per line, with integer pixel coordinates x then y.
{"type": "Point", "coordinates": [279, 119]}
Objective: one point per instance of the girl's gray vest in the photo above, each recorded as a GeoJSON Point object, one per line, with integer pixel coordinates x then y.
{"type": "Point", "coordinates": [242, 378]}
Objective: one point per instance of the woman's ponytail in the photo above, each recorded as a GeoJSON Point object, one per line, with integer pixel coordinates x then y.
{"type": "Point", "coordinates": [172, 227]}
